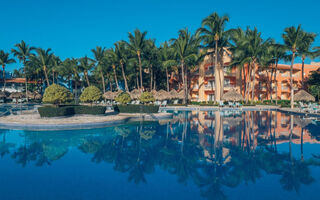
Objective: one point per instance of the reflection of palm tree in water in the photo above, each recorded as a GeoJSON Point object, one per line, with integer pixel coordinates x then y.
{"type": "Point", "coordinates": [4, 146]}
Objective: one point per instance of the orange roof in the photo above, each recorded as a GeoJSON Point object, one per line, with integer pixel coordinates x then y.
{"type": "Point", "coordinates": [19, 80]}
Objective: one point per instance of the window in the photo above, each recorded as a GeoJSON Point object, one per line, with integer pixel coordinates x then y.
{"type": "Point", "coordinates": [210, 97]}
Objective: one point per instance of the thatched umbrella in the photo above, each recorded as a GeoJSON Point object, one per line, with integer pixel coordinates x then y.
{"type": "Point", "coordinates": [117, 93]}
{"type": "Point", "coordinates": [232, 95]}
{"type": "Point", "coordinates": [109, 95]}
{"type": "Point", "coordinates": [37, 96]}
{"type": "Point", "coordinates": [17, 95]}
{"type": "Point", "coordinates": [30, 95]}
{"type": "Point", "coordinates": [302, 95]}
{"type": "Point", "coordinates": [135, 94]}
{"type": "Point", "coordinates": [162, 95]}
{"type": "Point", "coordinates": [174, 94]}
{"type": "Point", "coordinates": [181, 95]}
{"type": "Point", "coordinates": [302, 122]}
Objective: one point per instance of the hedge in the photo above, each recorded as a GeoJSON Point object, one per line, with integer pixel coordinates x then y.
{"type": "Point", "coordinates": [136, 108]}
{"type": "Point", "coordinates": [67, 110]}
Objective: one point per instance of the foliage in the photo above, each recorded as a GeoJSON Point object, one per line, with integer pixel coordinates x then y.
{"type": "Point", "coordinates": [57, 94]}
{"type": "Point", "coordinates": [136, 108]}
{"type": "Point", "coordinates": [49, 111]}
{"type": "Point", "coordinates": [123, 98]}
{"type": "Point", "coordinates": [90, 94]}
{"type": "Point", "coordinates": [147, 97]}
{"type": "Point", "coordinates": [314, 85]}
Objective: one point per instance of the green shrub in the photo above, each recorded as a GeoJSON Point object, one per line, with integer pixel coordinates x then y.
{"type": "Point", "coordinates": [147, 97]}
{"type": "Point", "coordinates": [49, 111]}
{"type": "Point", "coordinates": [90, 94]}
{"type": "Point", "coordinates": [69, 110]}
{"type": "Point", "coordinates": [57, 94]}
{"type": "Point", "coordinates": [136, 108]}
{"type": "Point", "coordinates": [123, 98]}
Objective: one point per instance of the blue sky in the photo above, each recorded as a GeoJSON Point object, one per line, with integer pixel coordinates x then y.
{"type": "Point", "coordinates": [72, 27]}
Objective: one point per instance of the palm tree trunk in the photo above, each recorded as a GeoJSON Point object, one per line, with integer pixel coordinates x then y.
{"type": "Point", "coordinates": [276, 82]}
{"type": "Point", "coordinates": [151, 77]}
{"type": "Point", "coordinates": [124, 78]}
{"type": "Point", "coordinates": [46, 75]}
{"type": "Point", "coordinates": [115, 77]}
{"type": "Point", "coordinates": [221, 76]}
{"type": "Point", "coordinates": [254, 80]}
{"type": "Point", "coordinates": [103, 83]}
{"type": "Point", "coordinates": [183, 80]}
{"type": "Point", "coordinates": [140, 71]}
{"type": "Point", "coordinates": [87, 78]}
{"type": "Point", "coordinates": [302, 72]}
{"type": "Point", "coordinates": [291, 80]}
{"type": "Point", "coordinates": [248, 83]}
{"type": "Point", "coordinates": [137, 81]}
{"type": "Point", "coordinates": [53, 77]}
{"type": "Point", "coordinates": [217, 92]}
{"type": "Point", "coordinates": [186, 92]}
{"type": "Point", "coordinates": [167, 75]}
{"type": "Point", "coordinates": [4, 77]}
{"type": "Point", "coordinates": [26, 79]}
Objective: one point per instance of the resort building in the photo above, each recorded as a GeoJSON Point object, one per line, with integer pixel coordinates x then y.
{"type": "Point", "coordinates": [203, 80]}
{"type": "Point", "coordinates": [13, 84]}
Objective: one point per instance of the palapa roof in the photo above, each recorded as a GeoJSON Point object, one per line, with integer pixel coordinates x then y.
{"type": "Point", "coordinates": [232, 95]}
{"type": "Point", "coordinates": [302, 95]}
{"type": "Point", "coordinates": [109, 95]}
{"type": "Point", "coordinates": [181, 95]}
{"type": "Point", "coordinates": [135, 94]}
{"type": "Point", "coordinates": [161, 95]}
{"type": "Point", "coordinates": [174, 94]}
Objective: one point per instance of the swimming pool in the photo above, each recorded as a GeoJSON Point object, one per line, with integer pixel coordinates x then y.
{"type": "Point", "coordinates": [195, 155]}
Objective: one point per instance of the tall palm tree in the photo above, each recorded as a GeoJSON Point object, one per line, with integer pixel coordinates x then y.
{"type": "Point", "coordinates": [112, 59]}
{"type": "Point", "coordinates": [292, 37]}
{"type": "Point", "coordinates": [185, 49]}
{"type": "Point", "coordinates": [304, 50]}
{"type": "Point", "coordinates": [167, 60]}
{"type": "Point", "coordinates": [22, 52]}
{"type": "Point", "coordinates": [121, 52]}
{"type": "Point", "coordinates": [212, 31]}
{"type": "Point", "coordinates": [100, 60]}
{"type": "Point", "coordinates": [5, 60]}
{"type": "Point", "coordinates": [44, 59]}
{"type": "Point", "coordinates": [55, 68]}
{"type": "Point", "coordinates": [86, 64]}
{"type": "Point", "coordinates": [137, 44]}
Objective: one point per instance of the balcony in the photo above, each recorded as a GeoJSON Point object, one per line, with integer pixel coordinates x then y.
{"type": "Point", "coordinates": [209, 87]}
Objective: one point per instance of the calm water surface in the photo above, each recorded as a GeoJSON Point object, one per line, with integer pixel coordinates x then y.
{"type": "Point", "coordinates": [197, 155]}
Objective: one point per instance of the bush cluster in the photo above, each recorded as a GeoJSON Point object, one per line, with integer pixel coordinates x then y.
{"type": "Point", "coordinates": [136, 108]}
{"type": "Point", "coordinates": [123, 98]}
{"type": "Point", "coordinates": [90, 94]}
{"type": "Point", "coordinates": [56, 94]}
{"type": "Point", "coordinates": [49, 111]}
{"type": "Point", "coordinates": [147, 97]}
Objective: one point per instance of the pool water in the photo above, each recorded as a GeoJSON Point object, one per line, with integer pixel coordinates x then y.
{"type": "Point", "coordinates": [195, 155]}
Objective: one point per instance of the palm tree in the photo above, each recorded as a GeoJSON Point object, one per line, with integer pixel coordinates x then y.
{"type": "Point", "coordinates": [22, 52]}
{"type": "Point", "coordinates": [55, 68]}
{"type": "Point", "coordinates": [167, 60]}
{"type": "Point", "coordinates": [112, 59]}
{"type": "Point", "coordinates": [86, 64]}
{"type": "Point", "coordinates": [100, 60]}
{"type": "Point", "coordinates": [5, 60]}
{"type": "Point", "coordinates": [121, 52]}
{"type": "Point", "coordinates": [44, 59]}
{"type": "Point", "coordinates": [292, 37]}
{"type": "Point", "coordinates": [212, 31]}
{"type": "Point", "coordinates": [304, 50]}
{"type": "Point", "coordinates": [136, 45]}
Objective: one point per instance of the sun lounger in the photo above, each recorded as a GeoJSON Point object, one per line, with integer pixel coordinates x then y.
{"type": "Point", "coordinates": [221, 104]}
{"type": "Point", "coordinates": [231, 104]}
{"type": "Point", "coordinates": [164, 103]}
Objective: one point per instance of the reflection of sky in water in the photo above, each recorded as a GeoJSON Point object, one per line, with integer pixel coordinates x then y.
{"type": "Point", "coordinates": [166, 160]}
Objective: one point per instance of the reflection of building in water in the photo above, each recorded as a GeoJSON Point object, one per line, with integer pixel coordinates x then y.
{"type": "Point", "coordinates": [247, 129]}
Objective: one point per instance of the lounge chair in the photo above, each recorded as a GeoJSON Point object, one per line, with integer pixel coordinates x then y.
{"type": "Point", "coordinates": [231, 104]}
{"type": "Point", "coordinates": [221, 104]}
{"type": "Point", "coordinates": [164, 103]}
{"type": "Point", "coordinates": [176, 101]}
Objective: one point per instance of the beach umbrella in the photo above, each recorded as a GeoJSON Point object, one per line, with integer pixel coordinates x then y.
{"type": "Point", "coordinates": [109, 95]}
{"type": "Point", "coordinates": [302, 95]}
{"type": "Point", "coordinates": [174, 94]}
{"type": "Point", "coordinates": [135, 94]}
{"type": "Point", "coordinates": [162, 95]}
{"type": "Point", "coordinates": [232, 95]}
{"type": "Point", "coordinates": [181, 95]}
{"type": "Point", "coordinates": [117, 93]}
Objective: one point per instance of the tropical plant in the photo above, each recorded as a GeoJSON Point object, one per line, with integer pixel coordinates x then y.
{"type": "Point", "coordinates": [22, 52]}
{"type": "Point", "coordinates": [90, 94]}
{"type": "Point", "coordinates": [167, 60]}
{"type": "Point", "coordinates": [5, 60]}
{"type": "Point", "coordinates": [136, 44]}
{"type": "Point", "coordinates": [44, 60]}
{"type": "Point", "coordinates": [121, 53]}
{"type": "Point", "coordinates": [147, 97]}
{"type": "Point", "coordinates": [292, 38]}
{"type": "Point", "coordinates": [86, 65]}
{"type": "Point", "coordinates": [57, 94]}
{"type": "Point", "coordinates": [99, 56]}
{"type": "Point", "coordinates": [123, 98]}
